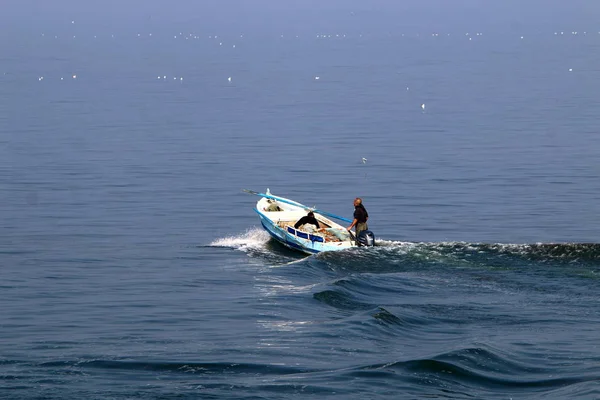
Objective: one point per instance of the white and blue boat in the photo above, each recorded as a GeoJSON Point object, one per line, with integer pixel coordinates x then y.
{"type": "Point", "coordinates": [278, 215]}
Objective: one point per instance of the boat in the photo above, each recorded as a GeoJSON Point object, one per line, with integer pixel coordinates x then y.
{"type": "Point", "coordinates": [278, 216]}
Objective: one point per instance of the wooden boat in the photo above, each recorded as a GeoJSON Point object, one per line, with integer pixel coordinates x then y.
{"type": "Point", "coordinates": [278, 216]}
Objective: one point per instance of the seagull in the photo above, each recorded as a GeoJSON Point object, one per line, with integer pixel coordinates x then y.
{"type": "Point", "coordinates": [364, 160]}
{"type": "Point", "coordinates": [229, 79]}
{"type": "Point", "coordinates": [423, 106]}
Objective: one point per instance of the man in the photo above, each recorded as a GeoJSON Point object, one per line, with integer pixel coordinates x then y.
{"type": "Point", "coordinates": [360, 217]}
{"type": "Point", "coordinates": [272, 206]}
{"type": "Point", "coordinates": [307, 219]}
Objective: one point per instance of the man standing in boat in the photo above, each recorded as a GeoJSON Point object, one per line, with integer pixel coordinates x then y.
{"type": "Point", "coordinates": [360, 217]}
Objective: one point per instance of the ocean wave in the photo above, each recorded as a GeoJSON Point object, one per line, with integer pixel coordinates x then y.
{"type": "Point", "coordinates": [480, 371]}
{"type": "Point", "coordinates": [183, 367]}
{"type": "Point", "coordinates": [469, 372]}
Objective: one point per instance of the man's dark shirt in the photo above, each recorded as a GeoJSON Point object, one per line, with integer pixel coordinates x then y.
{"type": "Point", "coordinates": [307, 220]}
{"type": "Point", "coordinates": [360, 214]}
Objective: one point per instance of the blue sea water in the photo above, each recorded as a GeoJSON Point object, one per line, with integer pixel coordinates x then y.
{"type": "Point", "coordinates": [132, 265]}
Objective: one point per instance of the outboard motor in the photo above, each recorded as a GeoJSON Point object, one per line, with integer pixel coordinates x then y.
{"type": "Point", "coordinates": [366, 239]}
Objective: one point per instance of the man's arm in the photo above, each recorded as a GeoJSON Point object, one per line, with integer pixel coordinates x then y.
{"type": "Point", "coordinates": [352, 225]}
{"type": "Point", "coordinates": [299, 223]}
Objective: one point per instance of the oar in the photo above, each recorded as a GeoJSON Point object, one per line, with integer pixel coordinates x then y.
{"type": "Point", "coordinates": [281, 199]}
{"type": "Point", "coordinates": [269, 196]}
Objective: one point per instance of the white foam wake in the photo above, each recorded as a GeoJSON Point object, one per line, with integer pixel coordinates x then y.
{"type": "Point", "coordinates": [394, 243]}
{"type": "Point", "coordinates": [252, 239]}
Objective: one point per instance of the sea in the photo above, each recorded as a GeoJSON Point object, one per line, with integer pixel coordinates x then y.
{"type": "Point", "coordinates": [133, 264]}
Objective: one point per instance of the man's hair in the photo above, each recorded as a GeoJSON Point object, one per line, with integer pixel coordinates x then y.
{"type": "Point", "coordinates": [310, 214]}
{"type": "Point", "coordinates": [359, 200]}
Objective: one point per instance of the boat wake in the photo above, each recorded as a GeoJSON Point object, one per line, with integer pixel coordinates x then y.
{"type": "Point", "coordinates": [251, 240]}
{"type": "Point", "coordinates": [258, 243]}
{"type": "Point", "coordinates": [568, 252]}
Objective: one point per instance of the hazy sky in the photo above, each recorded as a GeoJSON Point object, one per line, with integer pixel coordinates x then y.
{"type": "Point", "coordinates": [307, 15]}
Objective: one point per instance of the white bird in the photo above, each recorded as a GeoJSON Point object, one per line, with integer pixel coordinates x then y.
{"type": "Point", "coordinates": [229, 79]}
{"type": "Point", "coordinates": [317, 78]}
{"type": "Point", "coordinates": [74, 76]}
{"type": "Point", "coordinates": [364, 160]}
{"type": "Point", "coordinates": [423, 106]}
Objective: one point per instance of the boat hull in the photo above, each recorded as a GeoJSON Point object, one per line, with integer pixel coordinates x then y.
{"type": "Point", "coordinates": [281, 238]}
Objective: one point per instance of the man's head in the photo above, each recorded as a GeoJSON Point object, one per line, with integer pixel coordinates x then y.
{"type": "Point", "coordinates": [310, 214]}
{"type": "Point", "coordinates": [357, 201]}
